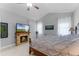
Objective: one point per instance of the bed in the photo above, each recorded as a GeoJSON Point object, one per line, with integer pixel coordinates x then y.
{"type": "Point", "coordinates": [54, 45]}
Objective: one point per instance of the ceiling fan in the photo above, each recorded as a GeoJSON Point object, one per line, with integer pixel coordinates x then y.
{"type": "Point", "coordinates": [29, 5]}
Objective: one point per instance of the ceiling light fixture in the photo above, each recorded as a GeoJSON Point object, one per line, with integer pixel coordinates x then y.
{"type": "Point", "coordinates": [29, 4]}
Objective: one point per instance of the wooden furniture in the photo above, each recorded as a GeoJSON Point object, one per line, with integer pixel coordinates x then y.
{"type": "Point", "coordinates": [34, 51]}
{"type": "Point", "coordinates": [22, 37]}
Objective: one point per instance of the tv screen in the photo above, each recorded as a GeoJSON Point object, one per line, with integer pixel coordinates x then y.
{"type": "Point", "coordinates": [22, 27]}
{"type": "Point", "coordinates": [49, 27]}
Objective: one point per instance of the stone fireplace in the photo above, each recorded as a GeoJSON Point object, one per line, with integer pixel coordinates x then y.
{"type": "Point", "coordinates": [21, 37]}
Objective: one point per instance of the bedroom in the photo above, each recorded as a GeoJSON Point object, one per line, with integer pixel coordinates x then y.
{"type": "Point", "coordinates": [52, 27]}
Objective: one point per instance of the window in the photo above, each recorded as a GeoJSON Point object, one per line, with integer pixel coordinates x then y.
{"type": "Point", "coordinates": [40, 28]}
{"type": "Point", "coordinates": [64, 23]}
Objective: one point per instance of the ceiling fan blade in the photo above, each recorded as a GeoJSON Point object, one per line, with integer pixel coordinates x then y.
{"type": "Point", "coordinates": [36, 7]}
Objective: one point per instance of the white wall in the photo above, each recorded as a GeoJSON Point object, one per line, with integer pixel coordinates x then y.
{"type": "Point", "coordinates": [52, 19]}
{"type": "Point", "coordinates": [76, 16]}
{"type": "Point", "coordinates": [32, 24]}
{"type": "Point", "coordinates": [11, 19]}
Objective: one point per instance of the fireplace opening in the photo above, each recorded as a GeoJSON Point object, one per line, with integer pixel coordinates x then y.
{"type": "Point", "coordinates": [23, 39]}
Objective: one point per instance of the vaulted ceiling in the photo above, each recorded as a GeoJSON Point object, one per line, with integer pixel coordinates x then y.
{"type": "Point", "coordinates": [45, 8]}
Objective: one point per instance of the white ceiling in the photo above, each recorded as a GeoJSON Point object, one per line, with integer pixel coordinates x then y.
{"type": "Point", "coordinates": [45, 8]}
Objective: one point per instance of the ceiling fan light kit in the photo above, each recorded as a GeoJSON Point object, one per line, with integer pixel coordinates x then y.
{"type": "Point", "coordinates": [29, 4]}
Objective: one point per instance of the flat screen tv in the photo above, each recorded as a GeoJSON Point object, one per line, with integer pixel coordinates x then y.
{"type": "Point", "coordinates": [49, 27]}
{"type": "Point", "coordinates": [22, 27]}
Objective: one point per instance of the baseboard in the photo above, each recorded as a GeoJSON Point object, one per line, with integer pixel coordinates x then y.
{"type": "Point", "coordinates": [8, 46]}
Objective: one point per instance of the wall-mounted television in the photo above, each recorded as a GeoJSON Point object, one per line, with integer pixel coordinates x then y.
{"type": "Point", "coordinates": [22, 27]}
{"type": "Point", "coordinates": [3, 30]}
{"type": "Point", "coordinates": [49, 27]}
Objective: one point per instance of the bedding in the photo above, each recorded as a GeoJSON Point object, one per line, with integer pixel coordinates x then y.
{"type": "Point", "coordinates": [55, 45]}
